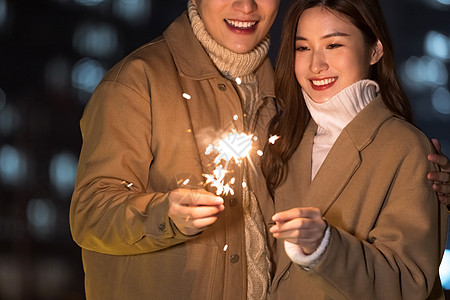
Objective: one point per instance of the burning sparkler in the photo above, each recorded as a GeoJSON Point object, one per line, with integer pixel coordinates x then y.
{"type": "Point", "coordinates": [236, 146]}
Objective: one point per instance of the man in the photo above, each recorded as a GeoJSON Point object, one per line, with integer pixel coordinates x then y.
{"type": "Point", "coordinates": [146, 229]}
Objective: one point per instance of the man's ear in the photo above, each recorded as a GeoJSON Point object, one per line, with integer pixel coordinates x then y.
{"type": "Point", "coordinates": [377, 52]}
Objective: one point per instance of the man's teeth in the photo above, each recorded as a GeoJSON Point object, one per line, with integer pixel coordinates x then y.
{"type": "Point", "coordinates": [323, 81]}
{"type": "Point", "coordinates": [241, 25]}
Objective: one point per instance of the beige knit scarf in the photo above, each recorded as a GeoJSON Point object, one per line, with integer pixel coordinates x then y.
{"type": "Point", "coordinates": [232, 66]}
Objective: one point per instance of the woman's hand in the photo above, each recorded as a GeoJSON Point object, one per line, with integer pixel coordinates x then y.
{"type": "Point", "coordinates": [192, 210]}
{"type": "Point", "coordinates": [441, 180]}
{"type": "Point", "coordinates": [303, 226]}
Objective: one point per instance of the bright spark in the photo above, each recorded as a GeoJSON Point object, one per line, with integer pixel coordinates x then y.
{"type": "Point", "coordinates": [273, 138]}
{"type": "Point", "coordinates": [235, 117]}
{"type": "Point", "coordinates": [244, 184]}
{"type": "Point", "coordinates": [260, 153]}
{"type": "Point", "coordinates": [186, 181]}
{"type": "Point", "coordinates": [225, 248]}
{"type": "Point", "coordinates": [238, 80]}
{"type": "Point", "coordinates": [235, 146]}
{"type": "Point", "coordinates": [186, 96]}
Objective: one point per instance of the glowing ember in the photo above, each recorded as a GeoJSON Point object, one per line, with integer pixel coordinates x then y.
{"type": "Point", "coordinates": [260, 153]}
{"type": "Point", "coordinates": [244, 184]}
{"type": "Point", "coordinates": [235, 117]}
{"type": "Point", "coordinates": [225, 248]}
{"type": "Point", "coordinates": [186, 96]}
{"type": "Point", "coordinates": [238, 80]}
{"type": "Point", "coordinates": [186, 181]}
{"type": "Point", "coordinates": [273, 138]}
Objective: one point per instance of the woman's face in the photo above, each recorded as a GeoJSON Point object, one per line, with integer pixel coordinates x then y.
{"type": "Point", "coordinates": [331, 53]}
{"type": "Point", "coordinates": [238, 25]}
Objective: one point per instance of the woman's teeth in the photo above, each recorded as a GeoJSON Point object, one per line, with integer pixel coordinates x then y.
{"type": "Point", "coordinates": [324, 81]}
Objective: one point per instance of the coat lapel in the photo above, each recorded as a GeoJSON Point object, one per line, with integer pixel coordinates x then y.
{"type": "Point", "coordinates": [341, 163]}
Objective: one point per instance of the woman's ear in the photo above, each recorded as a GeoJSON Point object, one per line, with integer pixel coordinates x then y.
{"type": "Point", "coordinates": [195, 2]}
{"type": "Point", "coordinates": [377, 52]}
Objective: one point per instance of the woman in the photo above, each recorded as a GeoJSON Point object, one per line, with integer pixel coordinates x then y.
{"type": "Point", "coordinates": [355, 215]}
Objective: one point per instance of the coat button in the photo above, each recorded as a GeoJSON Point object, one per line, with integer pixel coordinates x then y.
{"type": "Point", "coordinates": [162, 227]}
{"type": "Point", "coordinates": [233, 202]}
{"type": "Point", "coordinates": [234, 258]}
{"type": "Point", "coordinates": [222, 87]}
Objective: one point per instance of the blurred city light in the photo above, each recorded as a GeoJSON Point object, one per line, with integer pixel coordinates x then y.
{"type": "Point", "coordinates": [86, 74]}
{"type": "Point", "coordinates": [444, 270]}
{"type": "Point", "coordinates": [41, 216]}
{"type": "Point", "coordinates": [133, 11]}
{"type": "Point", "coordinates": [9, 119]}
{"type": "Point", "coordinates": [95, 40]}
{"type": "Point", "coordinates": [441, 100]}
{"type": "Point", "coordinates": [89, 2]}
{"type": "Point", "coordinates": [63, 170]}
{"type": "Point", "coordinates": [426, 71]}
{"type": "Point", "coordinates": [3, 12]}
{"type": "Point", "coordinates": [437, 45]}
{"type": "Point", "coordinates": [13, 165]}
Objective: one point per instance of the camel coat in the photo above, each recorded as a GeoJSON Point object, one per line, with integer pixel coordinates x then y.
{"type": "Point", "coordinates": [388, 230]}
{"type": "Point", "coordinates": [141, 138]}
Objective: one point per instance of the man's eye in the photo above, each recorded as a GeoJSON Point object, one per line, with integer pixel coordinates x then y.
{"type": "Point", "coordinates": [333, 46]}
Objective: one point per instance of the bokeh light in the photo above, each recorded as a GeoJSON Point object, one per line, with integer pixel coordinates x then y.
{"type": "Point", "coordinates": [95, 40]}
{"type": "Point", "coordinates": [63, 170]}
{"type": "Point", "coordinates": [441, 101]}
{"type": "Point", "coordinates": [3, 12]}
{"type": "Point", "coordinates": [86, 75]}
{"type": "Point", "coordinates": [89, 2]}
{"type": "Point", "coordinates": [437, 45]}
{"type": "Point", "coordinates": [425, 71]}
{"type": "Point", "coordinates": [41, 216]}
{"type": "Point", "coordinates": [444, 270]}
{"type": "Point", "coordinates": [13, 165]}
{"type": "Point", "coordinates": [132, 11]}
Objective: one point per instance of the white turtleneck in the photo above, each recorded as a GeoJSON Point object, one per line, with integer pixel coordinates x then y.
{"type": "Point", "coordinates": [331, 117]}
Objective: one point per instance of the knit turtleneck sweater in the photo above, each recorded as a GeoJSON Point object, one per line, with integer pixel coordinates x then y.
{"type": "Point", "coordinates": [240, 70]}
{"type": "Point", "coordinates": [332, 116]}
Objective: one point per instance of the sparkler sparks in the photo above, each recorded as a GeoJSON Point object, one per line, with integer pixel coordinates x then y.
{"type": "Point", "coordinates": [273, 138]}
{"type": "Point", "coordinates": [235, 146]}
{"type": "Point", "coordinates": [186, 96]}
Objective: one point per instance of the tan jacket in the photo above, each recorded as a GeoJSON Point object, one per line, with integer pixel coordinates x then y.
{"type": "Point", "coordinates": [140, 138]}
{"type": "Point", "coordinates": [387, 229]}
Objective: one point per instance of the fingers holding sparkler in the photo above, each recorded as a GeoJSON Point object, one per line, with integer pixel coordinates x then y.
{"type": "Point", "coordinates": [303, 226]}
{"type": "Point", "coordinates": [194, 210]}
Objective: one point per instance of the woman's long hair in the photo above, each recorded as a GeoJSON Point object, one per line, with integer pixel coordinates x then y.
{"type": "Point", "coordinates": [293, 116]}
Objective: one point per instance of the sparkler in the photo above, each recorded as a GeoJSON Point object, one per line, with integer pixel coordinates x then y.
{"type": "Point", "coordinates": [235, 146]}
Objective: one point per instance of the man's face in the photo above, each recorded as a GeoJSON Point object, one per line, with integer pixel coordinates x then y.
{"type": "Point", "coordinates": [238, 25]}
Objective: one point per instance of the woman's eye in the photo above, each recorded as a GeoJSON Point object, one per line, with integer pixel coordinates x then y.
{"type": "Point", "coordinates": [301, 48]}
{"type": "Point", "coordinates": [333, 46]}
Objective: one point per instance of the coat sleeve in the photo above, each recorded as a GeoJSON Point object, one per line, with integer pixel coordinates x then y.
{"type": "Point", "coordinates": [112, 209]}
{"type": "Point", "coordinates": [401, 256]}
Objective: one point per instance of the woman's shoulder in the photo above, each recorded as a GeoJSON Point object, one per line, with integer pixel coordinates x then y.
{"type": "Point", "coordinates": [404, 135]}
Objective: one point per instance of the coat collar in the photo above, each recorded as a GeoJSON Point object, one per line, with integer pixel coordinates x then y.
{"type": "Point", "coordinates": [193, 62]}
{"type": "Point", "coordinates": [339, 166]}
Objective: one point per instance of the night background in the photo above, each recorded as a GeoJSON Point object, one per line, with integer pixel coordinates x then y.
{"type": "Point", "coordinates": [52, 55]}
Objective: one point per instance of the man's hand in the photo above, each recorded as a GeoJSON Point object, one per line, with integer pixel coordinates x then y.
{"type": "Point", "coordinates": [192, 210]}
{"type": "Point", "coordinates": [441, 180]}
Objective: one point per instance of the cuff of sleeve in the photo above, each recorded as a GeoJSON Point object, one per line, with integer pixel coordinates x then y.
{"type": "Point", "coordinates": [296, 254]}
